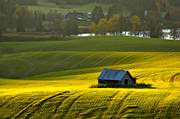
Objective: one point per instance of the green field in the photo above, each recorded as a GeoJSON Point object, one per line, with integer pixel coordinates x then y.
{"type": "Point", "coordinates": [45, 6]}
{"type": "Point", "coordinates": [99, 43]}
{"type": "Point", "coordinates": [53, 79]}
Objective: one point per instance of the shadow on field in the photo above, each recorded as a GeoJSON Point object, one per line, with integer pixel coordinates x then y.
{"type": "Point", "coordinates": [138, 86]}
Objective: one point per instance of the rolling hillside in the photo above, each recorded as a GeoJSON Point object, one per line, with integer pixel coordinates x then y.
{"type": "Point", "coordinates": [45, 6]}
{"type": "Point", "coordinates": [99, 43]}
{"type": "Point", "coordinates": [55, 79]}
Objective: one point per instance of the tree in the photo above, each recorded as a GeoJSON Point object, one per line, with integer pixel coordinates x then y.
{"type": "Point", "coordinates": [114, 24]}
{"type": "Point", "coordinates": [97, 14]}
{"type": "Point", "coordinates": [114, 9]}
{"type": "Point", "coordinates": [7, 8]}
{"type": "Point", "coordinates": [2, 24]}
{"type": "Point", "coordinates": [20, 25]}
{"type": "Point", "coordinates": [0, 33]}
{"type": "Point", "coordinates": [60, 27]}
{"type": "Point", "coordinates": [92, 28]}
{"type": "Point", "coordinates": [135, 20]}
{"type": "Point", "coordinates": [71, 27]}
{"type": "Point", "coordinates": [102, 27]}
{"type": "Point", "coordinates": [125, 24]}
{"type": "Point", "coordinates": [162, 5]}
{"type": "Point", "coordinates": [175, 27]}
{"type": "Point", "coordinates": [24, 19]}
{"type": "Point", "coordinates": [66, 28]}
{"type": "Point", "coordinates": [38, 20]}
{"type": "Point", "coordinates": [155, 25]}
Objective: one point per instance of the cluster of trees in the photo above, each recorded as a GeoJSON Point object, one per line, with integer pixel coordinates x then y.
{"type": "Point", "coordinates": [70, 2]}
{"type": "Point", "coordinates": [113, 25]}
{"type": "Point", "coordinates": [124, 2]}
{"type": "Point", "coordinates": [21, 19]}
{"type": "Point", "coordinates": [154, 20]}
{"type": "Point", "coordinates": [26, 2]}
{"type": "Point", "coordinates": [135, 6]}
{"type": "Point", "coordinates": [152, 15]}
{"type": "Point", "coordinates": [59, 25]}
{"type": "Point", "coordinates": [66, 27]}
{"type": "Point", "coordinates": [28, 20]}
{"type": "Point", "coordinates": [104, 25]}
{"type": "Point", "coordinates": [7, 9]}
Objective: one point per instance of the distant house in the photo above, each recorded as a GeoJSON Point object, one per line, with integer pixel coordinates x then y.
{"type": "Point", "coordinates": [76, 15]}
{"type": "Point", "coordinates": [116, 77]}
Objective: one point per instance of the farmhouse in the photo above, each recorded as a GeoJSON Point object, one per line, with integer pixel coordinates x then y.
{"type": "Point", "coordinates": [116, 77]}
{"type": "Point", "coordinates": [76, 15]}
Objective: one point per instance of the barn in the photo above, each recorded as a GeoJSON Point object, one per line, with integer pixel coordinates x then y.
{"type": "Point", "coordinates": [116, 77]}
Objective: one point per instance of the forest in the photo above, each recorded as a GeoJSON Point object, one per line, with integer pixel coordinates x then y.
{"type": "Point", "coordinates": [151, 15]}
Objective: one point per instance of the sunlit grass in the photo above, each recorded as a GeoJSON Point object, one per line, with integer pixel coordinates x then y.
{"type": "Point", "coordinates": [57, 84]}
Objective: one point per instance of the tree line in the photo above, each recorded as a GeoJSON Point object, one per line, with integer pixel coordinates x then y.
{"type": "Point", "coordinates": [153, 20]}
{"type": "Point", "coordinates": [135, 6]}
{"type": "Point", "coordinates": [114, 25]}
{"type": "Point", "coordinates": [17, 18]}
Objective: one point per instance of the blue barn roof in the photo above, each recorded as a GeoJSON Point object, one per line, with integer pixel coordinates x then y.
{"type": "Point", "coordinates": [108, 74]}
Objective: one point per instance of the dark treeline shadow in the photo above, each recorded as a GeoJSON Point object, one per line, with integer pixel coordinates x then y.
{"type": "Point", "coordinates": [23, 37]}
{"type": "Point", "coordinates": [138, 86]}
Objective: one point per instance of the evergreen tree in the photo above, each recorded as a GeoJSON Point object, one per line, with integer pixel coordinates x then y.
{"type": "Point", "coordinates": [24, 19]}
{"type": "Point", "coordinates": [60, 27]}
{"type": "Point", "coordinates": [155, 25]}
{"type": "Point", "coordinates": [7, 8]}
{"type": "Point", "coordinates": [135, 20]}
{"type": "Point", "coordinates": [114, 24]}
{"type": "Point", "coordinates": [92, 28]}
{"type": "Point", "coordinates": [174, 30]}
{"type": "Point", "coordinates": [0, 33]}
{"type": "Point", "coordinates": [114, 9]}
{"type": "Point", "coordinates": [71, 27]}
{"type": "Point", "coordinates": [66, 28]}
{"type": "Point", "coordinates": [97, 14]}
{"type": "Point", "coordinates": [38, 19]}
{"type": "Point", "coordinates": [102, 27]}
{"type": "Point", "coordinates": [20, 25]}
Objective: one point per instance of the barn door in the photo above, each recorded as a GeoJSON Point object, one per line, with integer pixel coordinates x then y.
{"type": "Point", "coordinates": [126, 81]}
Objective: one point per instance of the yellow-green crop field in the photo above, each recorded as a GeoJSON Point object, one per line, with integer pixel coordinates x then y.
{"type": "Point", "coordinates": [57, 85]}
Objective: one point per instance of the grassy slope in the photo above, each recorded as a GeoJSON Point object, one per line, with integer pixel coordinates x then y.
{"type": "Point", "coordinates": [56, 83]}
{"type": "Point", "coordinates": [45, 6]}
{"type": "Point", "coordinates": [21, 65]}
{"type": "Point", "coordinates": [119, 43]}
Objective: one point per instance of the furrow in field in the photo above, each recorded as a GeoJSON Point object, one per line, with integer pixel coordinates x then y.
{"type": "Point", "coordinates": [8, 100]}
{"type": "Point", "coordinates": [49, 59]}
{"type": "Point", "coordinates": [172, 109]}
{"type": "Point", "coordinates": [12, 70]}
{"type": "Point", "coordinates": [83, 60]}
{"type": "Point", "coordinates": [59, 104]}
{"type": "Point", "coordinates": [122, 110]}
{"type": "Point", "coordinates": [121, 60]}
{"type": "Point", "coordinates": [36, 103]}
{"type": "Point", "coordinates": [116, 104]}
{"type": "Point", "coordinates": [92, 105]}
{"type": "Point", "coordinates": [109, 100]}
{"type": "Point", "coordinates": [147, 103]}
{"type": "Point", "coordinates": [175, 77]}
{"type": "Point", "coordinates": [63, 109]}
{"type": "Point", "coordinates": [33, 68]}
{"type": "Point", "coordinates": [62, 62]}
{"type": "Point", "coordinates": [161, 111]}
{"type": "Point", "coordinates": [71, 108]}
{"type": "Point", "coordinates": [103, 59]}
